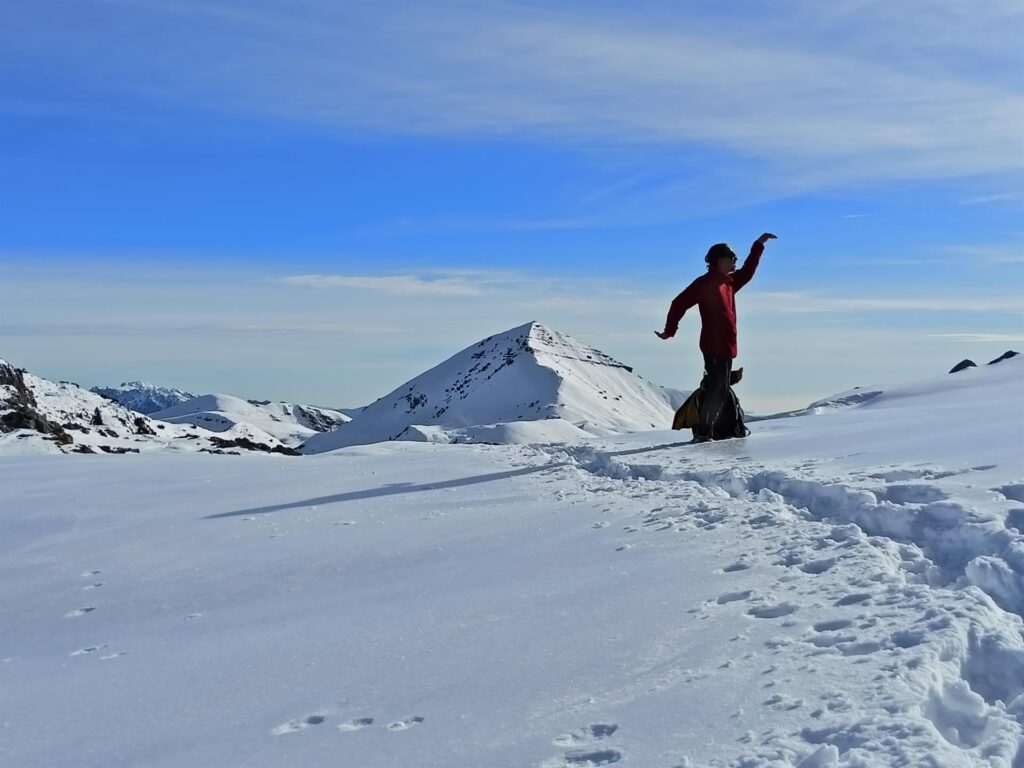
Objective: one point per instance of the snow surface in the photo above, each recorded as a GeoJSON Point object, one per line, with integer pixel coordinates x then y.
{"type": "Point", "coordinates": [843, 589]}
{"type": "Point", "coordinates": [525, 374]}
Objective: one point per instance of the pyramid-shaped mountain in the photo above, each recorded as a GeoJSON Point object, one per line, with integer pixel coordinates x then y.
{"type": "Point", "coordinates": [528, 374]}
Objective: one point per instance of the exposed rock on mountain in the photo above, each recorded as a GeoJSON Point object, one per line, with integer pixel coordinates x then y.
{"type": "Point", "coordinates": [1005, 356]}
{"type": "Point", "coordinates": [963, 365]}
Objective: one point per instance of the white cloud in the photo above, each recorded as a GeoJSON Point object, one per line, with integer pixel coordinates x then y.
{"type": "Point", "coordinates": [981, 337]}
{"type": "Point", "coordinates": [995, 253]}
{"type": "Point", "coordinates": [1003, 197]}
{"type": "Point", "coordinates": [398, 285]}
{"type": "Point", "coordinates": [796, 302]}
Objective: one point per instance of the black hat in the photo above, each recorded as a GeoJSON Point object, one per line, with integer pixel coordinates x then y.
{"type": "Point", "coordinates": [718, 251]}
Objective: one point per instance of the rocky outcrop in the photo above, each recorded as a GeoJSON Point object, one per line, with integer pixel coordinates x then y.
{"type": "Point", "coordinates": [18, 407]}
{"type": "Point", "coordinates": [1005, 356]}
{"type": "Point", "coordinates": [963, 365]}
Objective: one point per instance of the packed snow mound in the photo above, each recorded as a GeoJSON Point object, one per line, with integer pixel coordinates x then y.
{"type": "Point", "coordinates": [529, 373]}
{"type": "Point", "coordinates": [289, 423]}
{"type": "Point", "coordinates": [310, 416]}
{"type": "Point", "coordinates": [143, 397]}
{"type": "Point", "coordinates": [39, 416]}
{"type": "Point", "coordinates": [512, 433]}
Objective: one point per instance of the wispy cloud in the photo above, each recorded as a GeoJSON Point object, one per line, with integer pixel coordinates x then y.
{"type": "Point", "coordinates": [398, 285]}
{"type": "Point", "coordinates": [1003, 197]}
{"type": "Point", "coordinates": [817, 303]}
{"type": "Point", "coordinates": [980, 337]}
{"type": "Point", "coordinates": [1011, 252]}
{"type": "Point", "coordinates": [845, 95]}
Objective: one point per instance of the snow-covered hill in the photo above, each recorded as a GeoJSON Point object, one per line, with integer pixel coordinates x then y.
{"type": "Point", "coordinates": [41, 416]}
{"type": "Point", "coordinates": [290, 423]}
{"type": "Point", "coordinates": [528, 374]}
{"type": "Point", "coordinates": [840, 590]}
{"type": "Point", "coordinates": [143, 397]}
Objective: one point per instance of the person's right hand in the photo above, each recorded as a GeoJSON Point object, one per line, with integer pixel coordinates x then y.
{"type": "Point", "coordinates": [766, 237]}
{"type": "Point", "coordinates": [663, 335]}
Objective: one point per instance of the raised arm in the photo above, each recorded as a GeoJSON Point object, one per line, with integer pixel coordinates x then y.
{"type": "Point", "coordinates": [742, 275]}
{"type": "Point", "coordinates": [678, 308]}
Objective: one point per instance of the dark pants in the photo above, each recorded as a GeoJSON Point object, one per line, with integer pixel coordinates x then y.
{"type": "Point", "coordinates": [716, 400]}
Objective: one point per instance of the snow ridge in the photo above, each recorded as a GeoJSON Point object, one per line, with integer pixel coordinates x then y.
{"type": "Point", "coordinates": [289, 423]}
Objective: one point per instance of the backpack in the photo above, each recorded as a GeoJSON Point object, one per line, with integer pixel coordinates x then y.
{"type": "Point", "coordinates": [730, 424]}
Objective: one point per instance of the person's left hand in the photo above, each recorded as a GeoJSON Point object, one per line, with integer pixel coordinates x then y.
{"type": "Point", "coordinates": [663, 335]}
{"type": "Point", "coordinates": [766, 237]}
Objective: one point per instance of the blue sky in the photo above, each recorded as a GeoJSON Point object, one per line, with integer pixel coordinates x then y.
{"type": "Point", "coordinates": [317, 200]}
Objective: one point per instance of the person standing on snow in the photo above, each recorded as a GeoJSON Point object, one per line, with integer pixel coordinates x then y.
{"type": "Point", "coordinates": [714, 294]}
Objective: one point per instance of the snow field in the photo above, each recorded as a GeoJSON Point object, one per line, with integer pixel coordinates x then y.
{"type": "Point", "coordinates": [840, 590]}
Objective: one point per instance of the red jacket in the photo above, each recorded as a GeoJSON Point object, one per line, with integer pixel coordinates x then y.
{"type": "Point", "coordinates": [713, 293]}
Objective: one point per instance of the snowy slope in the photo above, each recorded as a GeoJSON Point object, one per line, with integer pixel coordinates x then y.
{"type": "Point", "coordinates": [527, 374]}
{"type": "Point", "coordinates": [143, 397]}
{"type": "Point", "coordinates": [287, 422]}
{"type": "Point", "coordinates": [41, 416]}
{"type": "Point", "coordinates": [842, 590]}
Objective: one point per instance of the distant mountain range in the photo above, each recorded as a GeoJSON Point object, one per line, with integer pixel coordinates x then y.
{"type": "Point", "coordinates": [143, 397]}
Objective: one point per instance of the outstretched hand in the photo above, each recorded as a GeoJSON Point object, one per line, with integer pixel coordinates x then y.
{"type": "Point", "coordinates": [766, 237]}
{"type": "Point", "coordinates": [663, 335]}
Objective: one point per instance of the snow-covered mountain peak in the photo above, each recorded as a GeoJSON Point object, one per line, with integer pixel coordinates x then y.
{"type": "Point", "coordinates": [526, 374]}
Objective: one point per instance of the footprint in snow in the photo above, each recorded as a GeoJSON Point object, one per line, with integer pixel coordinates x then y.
{"type": "Point", "coordinates": [97, 585]}
{"type": "Point", "coordinates": [356, 725]}
{"type": "Point", "coordinates": [298, 724]}
{"type": "Point", "coordinates": [816, 567]}
{"type": "Point", "coordinates": [594, 732]}
{"type": "Point", "coordinates": [912, 493]}
{"type": "Point", "coordinates": [732, 597]}
{"type": "Point", "coordinates": [87, 650]}
{"type": "Point", "coordinates": [1012, 492]}
{"type": "Point", "coordinates": [90, 574]}
{"type": "Point", "coordinates": [1015, 520]}
{"type": "Point", "coordinates": [832, 626]}
{"type": "Point", "coordinates": [857, 597]}
{"type": "Point", "coordinates": [773, 611]}
{"type": "Point", "coordinates": [735, 567]}
{"type": "Point", "coordinates": [80, 611]}
{"type": "Point", "coordinates": [404, 725]}
{"type": "Point", "coordinates": [595, 758]}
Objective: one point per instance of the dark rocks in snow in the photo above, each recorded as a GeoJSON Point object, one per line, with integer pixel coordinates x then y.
{"type": "Point", "coordinates": [142, 427]}
{"type": "Point", "coordinates": [21, 405]}
{"type": "Point", "coordinates": [963, 365]}
{"type": "Point", "coordinates": [251, 445]}
{"type": "Point", "coordinates": [97, 418]}
{"type": "Point", "coordinates": [1005, 356]}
